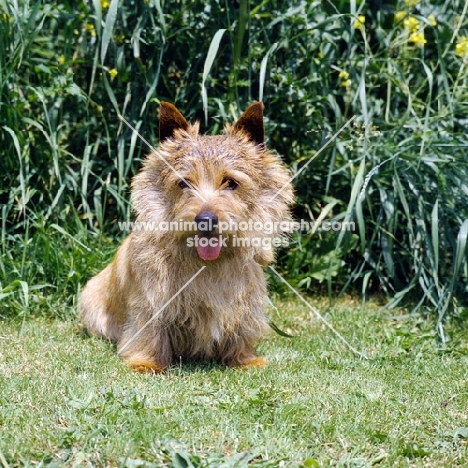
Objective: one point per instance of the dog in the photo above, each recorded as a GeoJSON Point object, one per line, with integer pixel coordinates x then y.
{"type": "Point", "coordinates": [199, 292]}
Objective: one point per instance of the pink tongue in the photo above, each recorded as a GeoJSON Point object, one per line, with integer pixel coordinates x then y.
{"type": "Point", "coordinates": [209, 248]}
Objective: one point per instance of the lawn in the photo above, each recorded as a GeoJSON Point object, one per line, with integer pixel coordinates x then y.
{"type": "Point", "coordinates": [67, 400]}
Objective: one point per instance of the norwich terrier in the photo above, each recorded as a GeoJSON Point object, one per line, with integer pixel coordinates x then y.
{"type": "Point", "coordinates": [188, 283]}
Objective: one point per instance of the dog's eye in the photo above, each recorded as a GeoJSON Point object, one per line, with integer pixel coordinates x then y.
{"type": "Point", "coordinates": [231, 184]}
{"type": "Point", "coordinates": [184, 184]}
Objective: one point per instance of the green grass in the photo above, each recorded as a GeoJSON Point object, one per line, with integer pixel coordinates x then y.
{"type": "Point", "coordinates": [67, 400]}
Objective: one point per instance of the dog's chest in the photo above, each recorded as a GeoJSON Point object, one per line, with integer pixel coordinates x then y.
{"type": "Point", "coordinates": [215, 331]}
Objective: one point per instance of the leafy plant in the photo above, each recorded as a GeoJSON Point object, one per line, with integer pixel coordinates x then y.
{"type": "Point", "coordinates": [382, 89]}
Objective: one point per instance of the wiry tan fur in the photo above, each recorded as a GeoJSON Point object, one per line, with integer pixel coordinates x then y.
{"type": "Point", "coordinates": [220, 315]}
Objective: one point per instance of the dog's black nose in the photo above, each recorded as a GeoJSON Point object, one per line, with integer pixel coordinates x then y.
{"type": "Point", "coordinates": [206, 221]}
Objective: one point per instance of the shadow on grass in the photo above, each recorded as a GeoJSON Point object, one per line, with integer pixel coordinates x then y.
{"type": "Point", "coordinates": [181, 367]}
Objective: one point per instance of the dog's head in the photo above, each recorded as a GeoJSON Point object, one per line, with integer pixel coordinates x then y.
{"type": "Point", "coordinates": [209, 187]}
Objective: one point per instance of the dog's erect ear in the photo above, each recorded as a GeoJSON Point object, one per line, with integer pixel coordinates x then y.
{"type": "Point", "coordinates": [170, 121]}
{"type": "Point", "coordinates": [251, 123]}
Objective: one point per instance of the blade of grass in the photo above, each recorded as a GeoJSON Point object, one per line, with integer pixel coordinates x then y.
{"type": "Point", "coordinates": [435, 242]}
{"type": "Point", "coordinates": [212, 51]}
{"type": "Point", "coordinates": [162, 20]}
{"type": "Point", "coordinates": [98, 11]}
{"type": "Point", "coordinates": [108, 28]}
{"type": "Point", "coordinates": [263, 70]}
{"type": "Point", "coordinates": [67, 234]}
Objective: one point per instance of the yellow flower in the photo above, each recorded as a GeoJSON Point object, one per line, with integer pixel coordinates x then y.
{"type": "Point", "coordinates": [412, 24]}
{"type": "Point", "coordinates": [399, 15]}
{"type": "Point", "coordinates": [344, 77]}
{"type": "Point", "coordinates": [113, 73]}
{"type": "Point", "coordinates": [61, 59]}
{"type": "Point", "coordinates": [119, 39]}
{"type": "Point", "coordinates": [417, 39]}
{"type": "Point", "coordinates": [461, 48]}
{"type": "Point", "coordinates": [411, 3]}
{"type": "Point", "coordinates": [105, 4]}
{"type": "Point", "coordinates": [359, 22]}
{"type": "Point", "coordinates": [90, 28]}
{"type": "Point", "coordinates": [432, 20]}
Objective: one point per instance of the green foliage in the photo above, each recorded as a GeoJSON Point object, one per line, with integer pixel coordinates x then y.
{"type": "Point", "coordinates": [68, 400]}
{"type": "Point", "coordinates": [398, 170]}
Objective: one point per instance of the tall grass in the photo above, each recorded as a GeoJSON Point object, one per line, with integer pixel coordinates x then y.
{"type": "Point", "coordinates": [399, 171]}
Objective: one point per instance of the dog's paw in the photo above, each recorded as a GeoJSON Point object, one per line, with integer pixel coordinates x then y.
{"type": "Point", "coordinates": [145, 367]}
{"type": "Point", "coordinates": [255, 361]}
{"type": "Point", "coordinates": [246, 361]}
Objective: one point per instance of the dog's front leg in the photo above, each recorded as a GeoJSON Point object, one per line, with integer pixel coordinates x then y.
{"type": "Point", "coordinates": [238, 351]}
{"type": "Point", "coordinates": [146, 350]}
